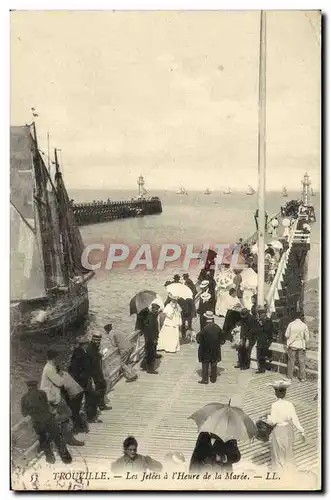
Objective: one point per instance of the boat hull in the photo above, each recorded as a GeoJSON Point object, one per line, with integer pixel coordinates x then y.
{"type": "Point", "coordinates": [71, 311]}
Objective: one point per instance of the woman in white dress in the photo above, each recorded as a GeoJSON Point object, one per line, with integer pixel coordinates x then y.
{"type": "Point", "coordinates": [170, 331]}
{"type": "Point", "coordinates": [283, 416]}
{"type": "Point", "coordinates": [224, 282]}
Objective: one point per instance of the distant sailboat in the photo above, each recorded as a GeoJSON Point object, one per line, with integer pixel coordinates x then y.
{"type": "Point", "coordinates": [284, 192]}
{"type": "Point", "coordinates": [250, 190]}
{"type": "Point", "coordinates": [312, 192]}
{"type": "Point", "coordinates": [181, 190]}
{"type": "Point", "coordinates": [227, 191]}
{"type": "Point", "coordinates": [207, 191]}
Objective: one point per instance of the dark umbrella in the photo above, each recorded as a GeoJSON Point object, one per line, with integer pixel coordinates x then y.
{"type": "Point", "coordinates": [227, 422]}
{"type": "Point", "coordinates": [141, 301]}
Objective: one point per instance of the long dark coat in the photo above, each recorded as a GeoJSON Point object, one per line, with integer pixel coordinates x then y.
{"type": "Point", "coordinates": [229, 449]}
{"type": "Point", "coordinates": [202, 308]}
{"type": "Point", "coordinates": [93, 351]}
{"type": "Point", "coordinates": [249, 329]}
{"type": "Point", "coordinates": [81, 367]}
{"type": "Point", "coordinates": [151, 327]}
{"type": "Point", "coordinates": [264, 333]}
{"type": "Point", "coordinates": [210, 339]}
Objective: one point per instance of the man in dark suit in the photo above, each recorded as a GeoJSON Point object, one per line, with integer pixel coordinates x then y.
{"type": "Point", "coordinates": [151, 334]}
{"type": "Point", "coordinates": [81, 370]}
{"type": "Point", "coordinates": [98, 377]}
{"type": "Point", "coordinates": [209, 339]}
{"type": "Point", "coordinates": [205, 304]}
{"type": "Point", "coordinates": [264, 338]}
{"type": "Point", "coordinates": [248, 333]}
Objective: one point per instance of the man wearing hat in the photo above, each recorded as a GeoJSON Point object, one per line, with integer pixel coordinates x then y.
{"type": "Point", "coordinates": [205, 304]}
{"type": "Point", "coordinates": [100, 383]}
{"type": "Point", "coordinates": [209, 339]}
{"type": "Point", "coordinates": [247, 339]}
{"type": "Point", "coordinates": [151, 334]}
{"type": "Point", "coordinates": [264, 337]}
{"type": "Point", "coordinates": [81, 370]}
{"type": "Point", "coordinates": [176, 279]}
{"type": "Point", "coordinates": [35, 405]}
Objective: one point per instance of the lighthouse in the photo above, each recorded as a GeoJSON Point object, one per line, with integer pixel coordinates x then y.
{"type": "Point", "coordinates": [141, 190]}
{"type": "Point", "coordinates": [306, 190]}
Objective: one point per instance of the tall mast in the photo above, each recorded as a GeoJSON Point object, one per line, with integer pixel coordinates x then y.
{"type": "Point", "coordinates": [262, 158]}
{"type": "Point", "coordinates": [48, 153]}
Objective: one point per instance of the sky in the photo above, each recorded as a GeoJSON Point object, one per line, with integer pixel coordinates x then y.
{"type": "Point", "coordinates": [169, 95]}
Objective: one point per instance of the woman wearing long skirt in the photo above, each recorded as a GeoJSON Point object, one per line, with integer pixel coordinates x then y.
{"type": "Point", "coordinates": [170, 331]}
{"type": "Point", "coordinates": [283, 417]}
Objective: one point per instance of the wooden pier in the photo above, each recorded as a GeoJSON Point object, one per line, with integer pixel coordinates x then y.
{"type": "Point", "coordinates": [155, 409]}
{"type": "Point", "coordinates": [93, 213]}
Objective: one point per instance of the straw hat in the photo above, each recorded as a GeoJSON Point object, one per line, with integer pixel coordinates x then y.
{"type": "Point", "coordinates": [280, 384]}
{"type": "Point", "coordinates": [83, 340]}
{"type": "Point", "coordinates": [96, 336]}
{"type": "Point", "coordinates": [204, 284]}
{"type": "Point", "coordinates": [205, 296]}
{"type": "Point", "coordinates": [209, 315]}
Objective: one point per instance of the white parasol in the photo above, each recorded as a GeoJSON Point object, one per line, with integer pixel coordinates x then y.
{"type": "Point", "coordinates": [276, 244]}
{"type": "Point", "coordinates": [180, 290]}
{"type": "Point", "coordinates": [249, 278]}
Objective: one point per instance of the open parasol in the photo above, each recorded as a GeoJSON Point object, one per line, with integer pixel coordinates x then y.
{"type": "Point", "coordinates": [276, 244]}
{"type": "Point", "coordinates": [226, 421]}
{"type": "Point", "coordinates": [143, 300]}
{"type": "Point", "coordinates": [180, 290]}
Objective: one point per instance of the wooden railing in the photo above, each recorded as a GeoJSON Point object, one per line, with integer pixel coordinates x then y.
{"type": "Point", "coordinates": [273, 293]}
{"type": "Point", "coordinates": [23, 438]}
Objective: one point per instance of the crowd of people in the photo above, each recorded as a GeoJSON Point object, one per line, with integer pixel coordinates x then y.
{"type": "Point", "coordinates": [70, 398]}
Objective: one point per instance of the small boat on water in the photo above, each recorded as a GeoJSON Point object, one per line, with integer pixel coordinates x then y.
{"type": "Point", "coordinates": [250, 190]}
{"type": "Point", "coordinates": [284, 192]}
{"type": "Point", "coordinates": [48, 283]}
{"type": "Point", "coordinates": [182, 190]}
{"type": "Point", "coordinates": [227, 191]}
{"type": "Point", "coordinates": [312, 192]}
{"type": "Point", "coordinates": [207, 191]}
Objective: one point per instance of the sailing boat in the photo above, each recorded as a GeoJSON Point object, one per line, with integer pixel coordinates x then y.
{"type": "Point", "coordinates": [207, 191]}
{"type": "Point", "coordinates": [312, 192]}
{"type": "Point", "coordinates": [250, 190]}
{"type": "Point", "coordinates": [227, 191]}
{"type": "Point", "coordinates": [48, 289]}
{"type": "Point", "coordinates": [284, 192]}
{"type": "Point", "coordinates": [181, 190]}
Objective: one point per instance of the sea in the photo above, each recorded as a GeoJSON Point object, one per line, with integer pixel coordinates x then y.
{"type": "Point", "coordinates": [195, 219]}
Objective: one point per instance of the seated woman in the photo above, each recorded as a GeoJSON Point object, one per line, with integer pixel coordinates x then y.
{"type": "Point", "coordinates": [132, 461]}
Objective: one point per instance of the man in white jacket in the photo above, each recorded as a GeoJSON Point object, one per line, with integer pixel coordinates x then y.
{"type": "Point", "coordinates": [297, 335]}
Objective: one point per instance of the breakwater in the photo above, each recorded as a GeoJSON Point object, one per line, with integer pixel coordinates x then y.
{"type": "Point", "coordinates": [105, 211]}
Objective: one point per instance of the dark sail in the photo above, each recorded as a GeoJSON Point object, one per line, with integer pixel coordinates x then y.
{"type": "Point", "coordinates": [70, 232]}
